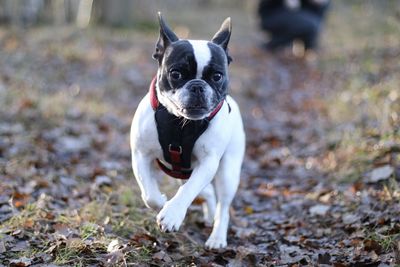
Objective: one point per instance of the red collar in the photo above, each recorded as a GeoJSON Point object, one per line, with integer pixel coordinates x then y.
{"type": "Point", "coordinates": [155, 103]}
{"type": "Point", "coordinates": [153, 94]}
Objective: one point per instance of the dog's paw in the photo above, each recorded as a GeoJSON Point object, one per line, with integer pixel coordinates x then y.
{"type": "Point", "coordinates": [216, 243]}
{"type": "Point", "coordinates": [155, 202]}
{"type": "Point", "coordinates": [170, 218]}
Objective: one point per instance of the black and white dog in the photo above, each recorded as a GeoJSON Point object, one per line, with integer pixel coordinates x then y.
{"type": "Point", "coordinates": [191, 129]}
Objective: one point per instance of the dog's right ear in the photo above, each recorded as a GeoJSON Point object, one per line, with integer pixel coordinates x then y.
{"type": "Point", "coordinates": [167, 36]}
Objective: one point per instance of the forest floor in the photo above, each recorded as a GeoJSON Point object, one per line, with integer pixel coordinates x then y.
{"type": "Point", "coordinates": [320, 179]}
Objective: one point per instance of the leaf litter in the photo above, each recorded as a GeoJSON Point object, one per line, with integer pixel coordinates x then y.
{"type": "Point", "coordinates": [67, 195]}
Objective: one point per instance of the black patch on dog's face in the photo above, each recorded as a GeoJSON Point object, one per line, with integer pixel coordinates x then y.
{"type": "Point", "coordinates": [179, 56]}
{"type": "Point", "coordinates": [217, 66]}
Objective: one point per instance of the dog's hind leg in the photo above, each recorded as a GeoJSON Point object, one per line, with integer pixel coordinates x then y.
{"type": "Point", "coordinates": [210, 203]}
{"type": "Point", "coordinates": [226, 184]}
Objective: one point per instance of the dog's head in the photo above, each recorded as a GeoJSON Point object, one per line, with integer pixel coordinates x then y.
{"type": "Point", "coordinates": [192, 76]}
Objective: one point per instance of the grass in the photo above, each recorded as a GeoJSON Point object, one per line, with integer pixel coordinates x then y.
{"type": "Point", "coordinates": [364, 106]}
{"type": "Point", "coordinates": [25, 218]}
{"type": "Point", "coordinates": [366, 137]}
{"type": "Point", "coordinates": [89, 230]}
{"type": "Point", "coordinates": [71, 254]}
{"type": "Point", "coordinates": [94, 230]}
{"type": "Point", "coordinates": [91, 241]}
{"type": "Point", "coordinates": [386, 242]}
{"type": "Point", "coordinates": [392, 189]}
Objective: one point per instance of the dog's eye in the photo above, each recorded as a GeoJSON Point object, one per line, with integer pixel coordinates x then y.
{"type": "Point", "coordinates": [217, 77]}
{"type": "Point", "coordinates": [175, 75]}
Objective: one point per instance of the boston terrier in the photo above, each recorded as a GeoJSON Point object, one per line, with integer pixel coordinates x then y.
{"type": "Point", "coordinates": [189, 128]}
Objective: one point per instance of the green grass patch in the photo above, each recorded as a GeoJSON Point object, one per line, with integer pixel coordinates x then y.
{"type": "Point", "coordinates": [386, 242]}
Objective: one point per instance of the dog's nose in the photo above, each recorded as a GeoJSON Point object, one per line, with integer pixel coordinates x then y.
{"type": "Point", "coordinates": [196, 88]}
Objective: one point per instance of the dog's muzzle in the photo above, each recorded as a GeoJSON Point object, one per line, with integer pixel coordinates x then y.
{"type": "Point", "coordinates": [197, 87]}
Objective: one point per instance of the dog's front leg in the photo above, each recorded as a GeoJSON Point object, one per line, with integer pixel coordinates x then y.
{"type": "Point", "coordinates": [145, 177]}
{"type": "Point", "coordinates": [172, 214]}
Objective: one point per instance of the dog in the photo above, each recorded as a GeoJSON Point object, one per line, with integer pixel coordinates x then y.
{"type": "Point", "coordinates": [188, 127]}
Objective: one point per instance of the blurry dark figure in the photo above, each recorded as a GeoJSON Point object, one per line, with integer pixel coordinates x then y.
{"type": "Point", "coordinates": [289, 20]}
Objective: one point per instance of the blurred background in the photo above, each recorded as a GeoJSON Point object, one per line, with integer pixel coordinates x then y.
{"type": "Point", "coordinates": [121, 13]}
{"type": "Point", "coordinates": [320, 180]}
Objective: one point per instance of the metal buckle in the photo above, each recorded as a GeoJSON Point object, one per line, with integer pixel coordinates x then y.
{"type": "Point", "coordinates": [172, 150]}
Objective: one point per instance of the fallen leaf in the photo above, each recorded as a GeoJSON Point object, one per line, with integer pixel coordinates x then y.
{"type": "Point", "coordinates": [319, 209]}
{"type": "Point", "coordinates": [113, 246]}
{"type": "Point", "coordinates": [2, 247]}
{"type": "Point", "coordinates": [103, 180]}
{"type": "Point", "coordinates": [372, 245]}
{"type": "Point", "coordinates": [21, 262]}
{"type": "Point", "coordinates": [72, 144]}
{"type": "Point", "coordinates": [381, 173]}
{"type": "Point", "coordinates": [162, 256]}
{"type": "Point", "coordinates": [350, 218]}
{"type": "Point", "coordinates": [20, 246]}
{"type": "Point", "coordinates": [114, 257]}
{"type": "Point", "coordinates": [324, 258]}
{"type": "Point", "coordinates": [248, 210]}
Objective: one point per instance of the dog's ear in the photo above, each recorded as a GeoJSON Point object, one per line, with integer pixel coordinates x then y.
{"type": "Point", "coordinates": [167, 36]}
{"type": "Point", "coordinates": [223, 35]}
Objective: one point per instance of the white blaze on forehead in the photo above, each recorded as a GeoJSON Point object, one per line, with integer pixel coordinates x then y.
{"type": "Point", "coordinates": [202, 55]}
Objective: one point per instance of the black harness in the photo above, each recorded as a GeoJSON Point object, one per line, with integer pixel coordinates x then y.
{"type": "Point", "coordinates": [177, 137]}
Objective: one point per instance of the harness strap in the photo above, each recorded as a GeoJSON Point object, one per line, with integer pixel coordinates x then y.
{"type": "Point", "coordinates": [175, 154]}
{"type": "Point", "coordinates": [181, 174]}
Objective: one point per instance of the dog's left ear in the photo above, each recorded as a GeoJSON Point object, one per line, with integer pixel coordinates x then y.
{"type": "Point", "coordinates": [223, 35]}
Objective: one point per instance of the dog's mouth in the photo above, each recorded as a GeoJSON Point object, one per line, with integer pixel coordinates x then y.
{"type": "Point", "coordinates": [194, 113]}
{"type": "Point", "coordinates": [193, 110]}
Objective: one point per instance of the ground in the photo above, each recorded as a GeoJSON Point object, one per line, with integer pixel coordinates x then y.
{"type": "Point", "coordinates": [320, 177]}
